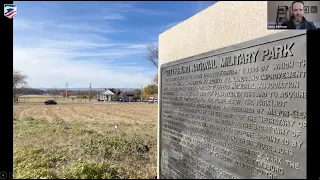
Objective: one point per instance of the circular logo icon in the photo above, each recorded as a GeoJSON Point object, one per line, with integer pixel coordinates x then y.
{"type": "Point", "coordinates": [3, 175]}
{"type": "Point", "coordinates": [11, 175]}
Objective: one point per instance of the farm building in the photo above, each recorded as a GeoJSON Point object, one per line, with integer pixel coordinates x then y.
{"type": "Point", "coordinates": [106, 95]}
{"type": "Point", "coordinates": [116, 93]}
{"type": "Point", "coordinates": [126, 96]}
{"type": "Point", "coordinates": [113, 94]}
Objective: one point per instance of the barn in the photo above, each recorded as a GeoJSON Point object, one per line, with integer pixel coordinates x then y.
{"type": "Point", "coordinates": [126, 96]}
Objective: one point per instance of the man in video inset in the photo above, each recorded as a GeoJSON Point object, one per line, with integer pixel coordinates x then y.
{"type": "Point", "coordinates": [297, 20]}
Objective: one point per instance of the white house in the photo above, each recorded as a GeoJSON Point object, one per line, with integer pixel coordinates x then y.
{"type": "Point", "coordinates": [105, 95]}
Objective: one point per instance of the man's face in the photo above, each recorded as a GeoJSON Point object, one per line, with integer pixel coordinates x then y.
{"type": "Point", "coordinates": [297, 10]}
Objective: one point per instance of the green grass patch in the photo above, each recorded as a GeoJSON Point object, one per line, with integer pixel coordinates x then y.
{"type": "Point", "coordinates": [82, 150]}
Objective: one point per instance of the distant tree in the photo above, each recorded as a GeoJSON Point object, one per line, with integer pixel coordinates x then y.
{"type": "Point", "coordinates": [149, 90]}
{"type": "Point", "coordinates": [63, 94]}
{"type": "Point", "coordinates": [152, 57]}
{"type": "Point", "coordinates": [137, 93]}
{"type": "Point", "coordinates": [19, 84]}
{"type": "Point", "coordinates": [27, 91]}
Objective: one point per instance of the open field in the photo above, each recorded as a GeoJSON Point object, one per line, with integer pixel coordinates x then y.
{"type": "Point", "coordinates": [80, 141]}
{"type": "Point", "coordinates": [42, 98]}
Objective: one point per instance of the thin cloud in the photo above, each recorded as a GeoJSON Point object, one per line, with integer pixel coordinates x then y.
{"type": "Point", "coordinates": [81, 42]}
{"type": "Point", "coordinates": [150, 12]}
{"type": "Point", "coordinates": [96, 17]}
{"type": "Point", "coordinates": [113, 17]}
{"type": "Point", "coordinates": [49, 66]}
{"type": "Point", "coordinates": [53, 53]}
{"type": "Point", "coordinates": [45, 26]}
{"type": "Point", "coordinates": [86, 28]}
{"type": "Point", "coordinates": [129, 7]}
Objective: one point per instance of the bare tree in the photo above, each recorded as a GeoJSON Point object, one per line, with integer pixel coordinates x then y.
{"type": "Point", "coordinates": [155, 79]}
{"type": "Point", "coordinates": [152, 57]}
{"type": "Point", "coordinates": [19, 83]}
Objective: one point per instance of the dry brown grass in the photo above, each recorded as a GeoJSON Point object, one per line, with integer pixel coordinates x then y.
{"type": "Point", "coordinates": [80, 141]}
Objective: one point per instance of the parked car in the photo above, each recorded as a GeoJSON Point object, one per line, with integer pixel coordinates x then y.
{"type": "Point", "coordinates": [49, 102]}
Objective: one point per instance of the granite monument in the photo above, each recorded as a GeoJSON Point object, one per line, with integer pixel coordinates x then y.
{"type": "Point", "coordinates": [236, 112]}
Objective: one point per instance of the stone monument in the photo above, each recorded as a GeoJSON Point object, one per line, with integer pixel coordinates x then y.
{"type": "Point", "coordinates": [236, 112]}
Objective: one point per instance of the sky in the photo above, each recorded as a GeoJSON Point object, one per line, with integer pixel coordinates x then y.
{"type": "Point", "coordinates": [103, 43]}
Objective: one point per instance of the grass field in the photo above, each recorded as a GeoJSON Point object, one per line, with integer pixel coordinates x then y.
{"type": "Point", "coordinates": [80, 141]}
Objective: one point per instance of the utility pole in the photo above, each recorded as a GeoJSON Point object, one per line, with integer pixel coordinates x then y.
{"type": "Point", "coordinates": [141, 94]}
{"type": "Point", "coordinates": [90, 93]}
{"type": "Point", "coordinates": [67, 91]}
{"type": "Point", "coordinates": [54, 92]}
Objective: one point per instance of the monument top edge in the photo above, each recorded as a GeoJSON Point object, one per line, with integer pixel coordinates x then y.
{"type": "Point", "coordinates": [244, 45]}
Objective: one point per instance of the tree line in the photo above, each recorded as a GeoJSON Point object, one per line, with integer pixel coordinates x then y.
{"type": "Point", "coordinates": [148, 91]}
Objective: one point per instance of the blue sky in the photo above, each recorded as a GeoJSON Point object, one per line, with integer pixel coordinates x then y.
{"type": "Point", "coordinates": [99, 42]}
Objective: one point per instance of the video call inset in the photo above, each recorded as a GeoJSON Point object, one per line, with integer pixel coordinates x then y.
{"type": "Point", "coordinates": [300, 15]}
